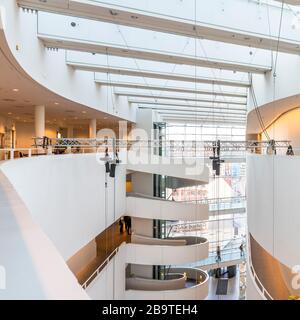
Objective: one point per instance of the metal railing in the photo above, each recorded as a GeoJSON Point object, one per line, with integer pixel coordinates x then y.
{"type": "Point", "coordinates": [99, 269]}
{"type": "Point", "coordinates": [170, 148]}
{"type": "Point", "coordinates": [173, 145]}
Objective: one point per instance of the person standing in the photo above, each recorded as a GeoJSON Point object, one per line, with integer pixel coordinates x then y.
{"type": "Point", "coordinates": [121, 224]}
{"type": "Point", "coordinates": [127, 221]}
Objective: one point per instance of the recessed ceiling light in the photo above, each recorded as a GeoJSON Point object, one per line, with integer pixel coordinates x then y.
{"type": "Point", "coordinates": [56, 103]}
{"type": "Point", "coordinates": [84, 112]}
{"type": "Point", "coordinates": [105, 118]}
{"type": "Point", "coordinates": [15, 90]}
{"type": "Point", "coordinates": [9, 113]}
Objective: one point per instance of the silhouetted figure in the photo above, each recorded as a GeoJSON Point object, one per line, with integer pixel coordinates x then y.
{"type": "Point", "coordinates": [121, 224]}
{"type": "Point", "coordinates": [242, 249]}
{"type": "Point", "coordinates": [127, 221]}
{"type": "Point", "coordinates": [290, 151]}
{"type": "Point", "coordinates": [218, 253]}
{"type": "Point", "coordinates": [107, 166]}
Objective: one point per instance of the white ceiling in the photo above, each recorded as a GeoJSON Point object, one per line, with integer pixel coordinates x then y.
{"type": "Point", "coordinates": [19, 95]}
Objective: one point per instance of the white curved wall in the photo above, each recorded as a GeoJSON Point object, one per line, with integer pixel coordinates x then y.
{"type": "Point", "coordinates": [33, 267]}
{"type": "Point", "coordinates": [165, 210]}
{"type": "Point", "coordinates": [287, 128]}
{"type": "Point", "coordinates": [67, 197]}
{"type": "Point", "coordinates": [287, 80]}
{"type": "Point", "coordinates": [275, 99]}
{"type": "Point", "coordinates": [165, 255]}
{"type": "Point", "coordinates": [49, 69]}
{"type": "Point", "coordinates": [273, 193]}
{"type": "Point", "coordinates": [186, 168]}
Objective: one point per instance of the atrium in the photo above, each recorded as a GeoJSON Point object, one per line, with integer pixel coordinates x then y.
{"type": "Point", "coordinates": [149, 150]}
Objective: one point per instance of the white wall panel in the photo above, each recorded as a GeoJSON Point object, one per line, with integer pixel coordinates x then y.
{"type": "Point", "coordinates": [66, 196]}
{"type": "Point", "coordinates": [273, 193]}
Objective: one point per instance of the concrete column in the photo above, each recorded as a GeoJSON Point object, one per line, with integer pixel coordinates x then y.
{"type": "Point", "coordinates": [70, 133]}
{"type": "Point", "coordinates": [39, 114]}
{"type": "Point", "coordinates": [93, 128]}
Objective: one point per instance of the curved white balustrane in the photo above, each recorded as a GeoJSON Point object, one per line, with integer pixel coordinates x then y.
{"type": "Point", "coordinates": [152, 208]}
{"type": "Point", "coordinates": [174, 281]}
{"type": "Point", "coordinates": [193, 169]}
{"type": "Point", "coordinates": [196, 287]}
{"type": "Point", "coordinates": [172, 251]}
{"type": "Point", "coordinates": [273, 184]}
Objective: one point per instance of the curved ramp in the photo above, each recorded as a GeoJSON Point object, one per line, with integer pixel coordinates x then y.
{"type": "Point", "coordinates": [171, 251]}
{"type": "Point", "coordinates": [197, 291]}
{"type": "Point", "coordinates": [156, 208]}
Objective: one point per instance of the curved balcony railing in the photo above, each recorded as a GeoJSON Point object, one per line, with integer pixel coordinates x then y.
{"type": "Point", "coordinates": [170, 251]}
{"type": "Point", "coordinates": [141, 206]}
{"type": "Point", "coordinates": [180, 284]}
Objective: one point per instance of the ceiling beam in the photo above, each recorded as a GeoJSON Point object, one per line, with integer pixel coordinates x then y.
{"type": "Point", "coordinates": [146, 54]}
{"type": "Point", "coordinates": [292, 2]}
{"type": "Point", "coordinates": [163, 23]}
{"type": "Point", "coordinates": [166, 103]}
{"type": "Point", "coordinates": [193, 108]}
{"type": "Point", "coordinates": [194, 116]}
{"type": "Point", "coordinates": [158, 75]}
{"type": "Point", "coordinates": [212, 112]}
{"type": "Point", "coordinates": [221, 116]}
{"type": "Point", "coordinates": [172, 97]}
{"type": "Point", "coordinates": [132, 85]}
{"type": "Point", "coordinates": [202, 120]}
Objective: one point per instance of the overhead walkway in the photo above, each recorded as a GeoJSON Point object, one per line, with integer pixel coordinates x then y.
{"type": "Point", "coordinates": [180, 284]}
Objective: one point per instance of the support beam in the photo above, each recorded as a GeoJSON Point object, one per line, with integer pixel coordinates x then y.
{"type": "Point", "coordinates": [93, 128]}
{"type": "Point", "coordinates": [201, 120]}
{"type": "Point", "coordinates": [194, 99]}
{"type": "Point", "coordinates": [146, 54]}
{"type": "Point", "coordinates": [190, 107]}
{"type": "Point", "coordinates": [132, 85]}
{"type": "Point", "coordinates": [208, 116]}
{"type": "Point", "coordinates": [176, 104]}
{"type": "Point", "coordinates": [162, 23]}
{"type": "Point", "coordinates": [70, 131]}
{"type": "Point", "coordinates": [39, 121]}
{"type": "Point", "coordinates": [187, 111]}
{"type": "Point", "coordinates": [292, 2]}
{"type": "Point", "coordinates": [156, 75]}
{"type": "Point", "coordinates": [172, 97]}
